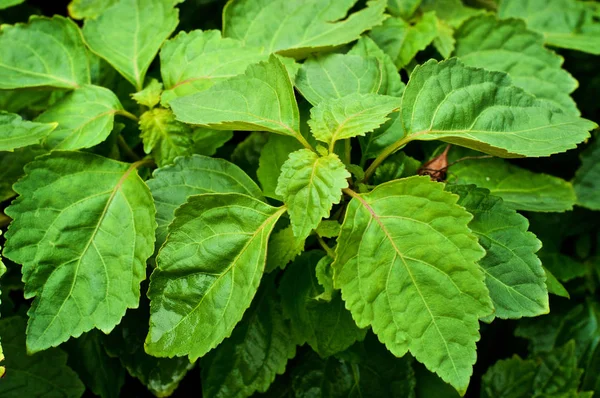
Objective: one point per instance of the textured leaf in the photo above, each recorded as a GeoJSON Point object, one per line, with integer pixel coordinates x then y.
{"type": "Point", "coordinates": [508, 46]}
{"type": "Point", "coordinates": [328, 229]}
{"type": "Point", "coordinates": [453, 12]}
{"type": "Point", "coordinates": [163, 136]}
{"type": "Point", "coordinates": [198, 294]}
{"type": "Point", "coordinates": [272, 158]}
{"type": "Point", "coordinates": [564, 23]}
{"type": "Point", "coordinates": [11, 167]}
{"type": "Point", "coordinates": [418, 284]}
{"type": "Point", "coordinates": [403, 8]}
{"type": "Point", "coordinates": [481, 110]}
{"type": "Point", "coordinates": [150, 95]}
{"type": "Point", "coordinates": [283, 248]}
{"type": "Point", "coordinates": [326, 326]}
{"type": "Point", "coordinates": [103, 375]}
{"type": "Point", "coordinates": [317, 377]}
{"type": "Point", "coordinates": [509, 378]}
{"type": "Point", "coordinates": [401, 40]}
{"type": "Point", "coordinates": [172, 185]}
{"type": "Point", "coordinates": [521, 189]}
{"type": "Point", "coordinates": [17, 133]}
{"type": "Point", "coordinates": [262, 99]}
{"type": "Point", "coordinates": [324, 274]}
{"type": "Point", "coordinates": [299, 27]}
{"type": "Point", "coordinates": [206, 141]}
{"type": "Point", "coordinates": [139, 27]}
{"type": "Point", "coordinates": [44, 374]}
{"type": "Point", "coordinates": [63, 63]}
{"type": "Point", "coordinates": [81, 9]}
{"type": "Point", "coordinates": [350, 116]}
{"type": "Point", "coordinates": [309, 186]}
{"type": "Point", "coordinates": [396, 166]}
{"type": "Point", "coordinates": [256, 352]}
{"type": "Point", "coordinates": [193, 62]}
{"type": "Point", "coordinates": [587, 179]}
{"type": "Point", "coordinates": [85, 118]}
{"type": "Point", "coordinates": [80, 275]}
{"type": "Point", "coordinates": [514, 274]}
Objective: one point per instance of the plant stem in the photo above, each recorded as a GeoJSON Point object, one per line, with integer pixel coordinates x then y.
{"type": "Point", "coordinates": [383, 155]}
{"type": "Point", "coordinates": [303, 141]}
{"type": "Point", "coordinates": [143, 162]}
{"type": "Point", "coordinates": [127, 149]}
{"type": "Point", "coordinates": [128, 115]}
{"type": "Point", "coordinates": [325, 247]}
{"type": "Point", "coordinates": [348, 151]}
{"type": "Point", "coordinates": [351, 193]}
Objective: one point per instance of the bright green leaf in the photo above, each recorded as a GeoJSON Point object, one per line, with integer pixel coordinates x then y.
{"type": "Point", "coordinates": [9, 3]}
{"type": "Point", "coordinates": [193, 62]}
{"type": "Point", "coordinates": [85, 118]}
{"type": "Point", "coordinates": [520, 188]}
{"type": "Point", "coordinates": [44, 374]}
{"type": "Point", "coordinates": [299, 27]}
{"type": "Point", "coordinates": [150, 95]}
{"type": "Point", "coordinates": [402, 40]}
{"type": "Point", "coordinates": [82, 9]}
{"type": "Point", "coordinates": [272, 158]}
{"type": "Point", "coordinates": [350, 116]}
{"type": "Point", "coordinates": [453, 12]}
{"type": "Point", "coordinates": [46, 52]}
{"type": "Point", "coordinates": [81, 275]}
{"type": "Point", "coordinates": [11, 167]}
{"type": "Point", "coordinates": [309, 186]}
{"type": "Point", "coordinates": [328, 229]}
{"type": "Point", "coordinates": [17, 133]}
{"type": "Point", "coordinates": [258, 350]}
{"type": "Point", "coordinates": [554, 286]}
{"type": "Point", "coordinates": [129, 34]}
{"type": "Point", "coordinates": [406, 265]}
{"type": "Point", "coordinates": [283, 248]}
{"type": "Point", "coordinates": [481, 110]}
{"type": "Point", "coordinates": [403, 8]}
{"type": "Point", "coordinates": [172, 185]}
{"type": "Point", "coordinates": [509, 47]}
{"type": "Point", "coordinates": [324, 274]}
{"type": "Point", "coordinates": [207, 272]}
{"type": "Point", "coordinates": [587, 179]}
{"type": "Point", "coordinates": [513, 273]}
{"type": "Point", "coordinates": [165, 137]}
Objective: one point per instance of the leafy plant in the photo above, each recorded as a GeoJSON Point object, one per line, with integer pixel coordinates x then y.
{"type": "Point", "coordinates": [299, 198]}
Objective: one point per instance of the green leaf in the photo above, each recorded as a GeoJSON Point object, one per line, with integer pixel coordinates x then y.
{"type": "Point", "coordinates": [257, 351]}
{"type": "Point", "coordinates": [82, 9]}
{"type": "Point", "coordinates": [309, 186]}
{"type": "Point", "coordinates": [299, 27]}
{"type": "Point", "coordinates": [554, 286]}
{"type": "Point", "coordinates": [206, 141]}
{"type": "Point", "coordinates": [85, 118]}
{"type": "Point", "coordinates": [509, 47]}
{"type": "Point", "coordinates": [44, 374]}
{"type": "Point", "coordinates": [418, 284]}
{"type": "Point", "coordinates": [272, 157]}
{"type": "Point", "coordinates": [513, 273]}
{"type": "Point", "coordinates": [317, 377]}
{"type": "Point", "coordinates": [103, 375]}
{"type": "Point", "coordinates": [195, 285]}
{"type": "Point", "coordinates": [350, 116]}
{"type": "Point", "coordinates": [247, 153]}
{"type": "Point", "coordinates": [402, 40]}
{"type": "Point", "coordinates": [452, 12]}
{"type": "Point", "coordinates": [192, 175]}
{"type": "Point", "coordinates": [150, 95]}
{"type": "Point", "coordinates": [11, 167]}
{"type": "Point", "coordinates": [324, 274]}
{"type": "Point", "coordinates": [283, 248]}
{"type": "Point", "coordinates": [586, 181]}
{"type": "Point", "coordinates": [403, 8]}
{"type": "Point", "coordinates": [129, 34]}
{"type": "Point", "coordinates": [165, 137]}
{"type": "Point", "coordinates": [328, 229]}
{"type": "Point", "coordinates": [509, 378]}
{"type": "Point", "coordinates": [80, 275]}
{"type": "Point", "coordinates": [193, 62]}
{"type": "Point", "coordinates": [160, 375]}
{"type": "Point", "coordinates": [565, 268]}
{"type": "Point", "coordinates": [262, 99]}
{"type": "Point", "coordinates": [9, 3]}
{"type": "Point", "coordinates": [481, 110]}
{"type": "Point", "coordinates": [17, 133]}
{"type": "Point", "coordinates": [564, 23]}
{"type": "Point", "coordinates": [396, 166]}
{"type": "Point", "coordinates": [520, 188]}
{"type": "Point", "coordinates": [326, 326]}
{"type": "Point", "coordinates": [46, 52]}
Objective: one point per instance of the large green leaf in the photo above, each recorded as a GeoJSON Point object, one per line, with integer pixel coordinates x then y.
{"type": "Point", "coordinates": [46, 52]}
{"type": "Point", "coordinates": [482, 110]}
{"type": "Point", "coordinates": [520, 188]}
{"type": "Point", "coordinates": [587, 178]}
{"type": "Point", "coordinates": [129, 34]}
{"type": "Point", "coordinates": [81, 9]}
{"type": "Point", "coordinates": [85, 118]}
{"type": "Point", "coordinates": [272, 157]}
{"type": "Point", "coordinates": [350, 116]}
{"type": "Point", "coordinates": [193, 175]}
{"type": "Point", "coordinates": [193, 62]}
{"type": "Point", "coordinates": [207, 272]}
{"type": "Point", "coordinates": [309, 186]}
{"type": "Point", "coordinates": [262, 99]}
{"type": "Point", "coordinates": [325, 325]}
{"type": "Point", "coordinates": [44, 374]}
{"type": "Point", "coordinates": [299, 27]}
{"type": "Point", "coordinates": [509, 47]}
{"type": "Point", "coordinates": [513, 273]}
{"type": "Point", "coordinates": [81, 275]}
{"type": "Point", "coordinates": [258, 350]}
{"type": "Point", "coordinates": [17, 133]}
{"type": "Point", "coordinates": [564, 23]}
{"type": "Point", "coordinates": [406, 265]}
{"type": "Point", "coordinates": [402, 40]}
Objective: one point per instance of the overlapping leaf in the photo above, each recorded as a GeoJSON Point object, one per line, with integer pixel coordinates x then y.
{"type": "Point", "coordinates": [17, 133]}
{"type": "Point", "coordinates": [83, 228]}
{"type": "Point", "coordinates": [208, 272]}
{"type": "Point", "coordinates": [81, 9]}
{"type": "Point", "coordinates": [283, 248]}
{"type": "Point", "coordinates": [406, 265]}
{"type": "Point", "coordinates": [587, 179]}
{"type": "Point", "coordinates": [273, 156]}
